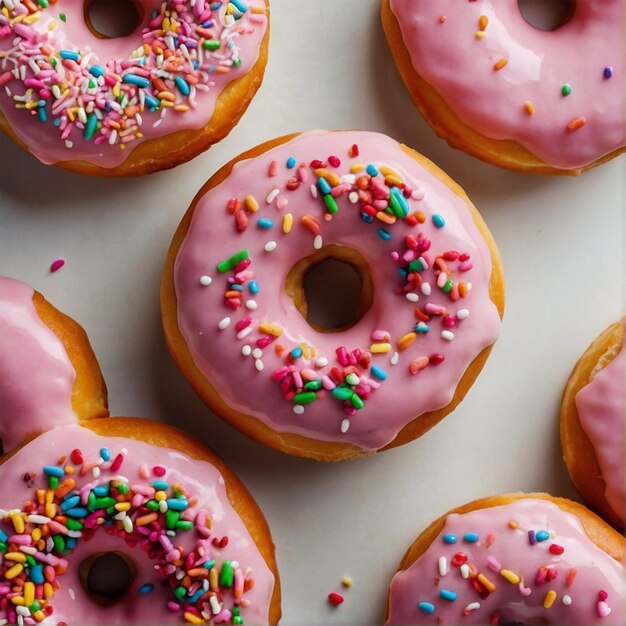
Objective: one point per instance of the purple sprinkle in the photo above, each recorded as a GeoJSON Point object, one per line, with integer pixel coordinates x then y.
{"type": "Point", "coordinates": [608, 71]}
{"type": "Point", "coordinates": [531, 537]}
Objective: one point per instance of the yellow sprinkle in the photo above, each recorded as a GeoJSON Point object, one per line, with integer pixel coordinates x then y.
{"type": "Point", "coordinates": [346, 581]}
{"type": "Point", "coordinates": [17, 600]}
{"type": "Point", "coordinates": [486, 583]}
{"type": "Point", "coordinates": [160, 495]}
{"type": "Point", "coordinates": [287, 222]}
{"type": "Point", "coordinates": [39, 616]}
{"type": "Point", "coordinates": [500, 64]}
{"type": "Point", "coordinates": [308, 352]}
{"type": "Point", "coordinates": [181, 108]}
{"type": "Point", "coordinates": [548, 601]}
{"type": "Point", "coordinates": [483, 21]}
{"type": "Point", "coordinates": [192, 619]}
{"type": "Point", "coordinates": [52, 25]}
{"type": "Point", "coordinates": [167, 103]}
{"type": "Point", "coordinates": [48, 591]}
{"type": "Point", "coordinates": [29, 593]}
{"type": "Point", "coordinates": [380, 348]}
{"type": "Point", "coordinates": [512, 577]}
{"type": "Point", "coordinates": [18, 523]}
{"type": "Point", "coordinates": [41, 494]}
{"type": "Point", "coordinates": [251, 204]}
{"type": "Point", "coordinates": [49, 496]}
{"type": "Point", "coordinates": [36, 534]}
{"type": "Point", "coordinates": [16, 557]}
{"type": "Point", "coordinates": [213, 580]}
{"type": "Point", "coordinates": [123, 506]}
{"type": "Point", "coordinates": [356, 168]}
{"type": "Point", "coordinates": [406, 341]}
{"type": "Point", "coordinates": [51, 510]}
{"type": "Point", "coordinates": [260, 10]}
{"type": "Point", "coordinates": [31, 19]}
{"type": "Point", "coordinates": [14, 571]}
{"type": "Point", "coordinates": [167, 95]}
{"type": "Point", "coordinates": [271, 329]}
{"type": "Point", "coordinates": [530, 109]}
{"type": "Point", "coordinates": [331, 177]}
{"type": "Point", "coordinates": [116, 90]}
{"type": "Point", "coordinates": [391, 180]}
{"type": "Point", "coordinates": [480, 34]}
{"type": "Point", "coordinates": [386, 218]}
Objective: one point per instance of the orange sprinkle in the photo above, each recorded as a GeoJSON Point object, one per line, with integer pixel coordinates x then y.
{"type": "Point", "coordinates": [513, 524]}
{"type": "Point", "coordinates": [500, 64]}
{"type": "Point", "coordinates": [442, 19]}
{"type": "Point", "coordinates": [146, 519]}
{"type": "Point", "coordinates": [530, 109]}
{"type": "Point", "coordinates": [483, 21]}
{"type": "Point", "coordinates": [386, 218]}
{"type": "Point", "coordinates": [463, 290]}
{"type": "Point", "coordinates": [486, 583]}
{"type": "Point", "coordinates": [571, 575]}
{"type": "Point", "coordinates": [311, 223]}
{"type": "Point", "coordinates": [579, 122]}
{"type": "Point", "coordinates": [406, 341]}
{"type": "Point", "coordinates": [65, 487]}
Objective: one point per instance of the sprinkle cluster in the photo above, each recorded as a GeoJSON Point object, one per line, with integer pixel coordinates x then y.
{"type": "Point", "coordinates": [186, 43]}
{"type": "Point", "coordinates": [377, 196]}
{"type": "Point", "coordinates": [457, 572]}
{"type": "Point", "coordinates": [36, 541]}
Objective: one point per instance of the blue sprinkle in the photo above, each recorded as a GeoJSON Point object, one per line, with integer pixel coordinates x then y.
{"type": "Point", "coordinates": [57, 122]}
{"type": "Point", "coordinates": [542, 535]}
{"type": "Point", "coordinates": [147, 588]}
{"type": "Point", "coordinates": [160, 485]}
{"type": "Point", "coordinates": [195, 597]}
{"type": "Point", "coordinates": [470, 537]}
{"type": "Point", "coordinates": [105, 454]}
{"type": "Point", "coordinates": [450, 538]}
{"type": "Point", "coordinates": [96, 70]}
{"type": "Point", "coordinates": [51, 470]}
{"type": "Point", "coordinates": [426, 607]}
{"type": "Point", "coordinates": [70, 543]}
{"type": "Point", "coordinates": [531, 537]}
{"type": "Point", "coordinates": [372, 170]}
{"type": "Point", "coordinates": [420, 327]}
{"type": "Point", "coordinates": [177, 504]}
{"type": "Point", "coordinates": [69, 55]}
{"type": "Point", "coordinates": [438, 221]}
{"type": "Point", "coordinates": [325, 188]}
{"type": "Point", "coordinates": [239, 5]}
{"type": "Point", "coordinates": [42, 114]}
{"type": "Point", "coordinates": [291, 162]}
{"type": "Point", "coordinates": [210, 564]}
{"type": "Point", "coordinates": [265, 222]}
{"type": "Point", "coordinates": [379, 373]}
{"type": "Point", "coordinates": [36, 574]}
{"type": "Point", "coordinates": [101, 491]}
{"type": "Point", "coordinates": [183, 85]}
{"type": "Point", "coordinates": [448, 595]}
{"type": "Point", "coordinates": [70, 504]}
{"type": "Point", "coordinates": [236, 287]}
{"type": "Point", "coordinates": [253, 286]}
{"type": "Point", "coordinates": [3, 536]}
{"type": "Point", "coordinates": [138, 81]}
{"type": "Point", "coordinates": [608, 71]}
{"type": "Point", "coordinates": [152, 102]}
{"type": "Point", "coordinates": [383, 234]}
{"type": "Point", "coordinates": [296, 353]}
{"type": "Point", "coordinates": [77, 511]}
{"type": "Point", "coordinates": [403, 272]}
{"type": "Point", "coordinates": [367, 218]}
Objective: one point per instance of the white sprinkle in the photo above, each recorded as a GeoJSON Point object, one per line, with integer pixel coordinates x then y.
{"type": "Point", "coordinates": [38, 519]}
{"type": "Point", "coordinates": [224, 323]}
{"type": "Point", "coordinates": [257, 353]}
{"type": "Point", "coordinates": [321, 362]}
{"type": "Point", "coordinates": [314, 191]}
{"type": "Point", "coordinates": [113, 137]}
{"type": "Point", "coordinates": [424, 262]}
{"type": "Point", "coordinates": [472, 606]}
{"type": "Point", "coordinates": [215, 605]}
{"type": "Point", "coordinates": [270, 246]}
{"type": "Point", "coordinates": [71, 593]}
{"type": "Point", "coordinates": [29, 550]}
{"type": "Point", "coordinates": [567, 600]}
{"type": "Point", "coordinates": [95, 472]}
{"type": "Point", "coordinates": [69, 144]}
{"type": "Point", "coordinates": [345, 424]}
{"type": "Point", "coordinates": [271, 196]}
{"type": "Point", "coordinates": [465, 570]}
{"type": "Point", "coordinates": [259, 365]}
{"type": "Point", "coordinates": [395, 357]}
{"type": "Point", "coordinates": [163, 508]}
{"type": "Point", "coordinates": [353, 197]}
{"type": "Point", "coordinates": [245, 332]}
{"type": "Point", "coordinates": [251, 304]}
{"type": "Point", "coordinates": [298, 409]}
{"type": "Point", "coordinates": [443, 566]}
{"type": "Point", "coordinates": [22, 611]}
{"type": "Point", "coordinates": [412, 297]}
{"type": "Point", "coordinates": [246, 350]}
{"type": "Point", "coordinates": [418, 194]}
{"type": "Point", "coordinates": [448, 335]}
{"type": "Point", "coordinates": [426, 289]}
{"type": "Point", "coordinates": [205, 281]}
{"type": "Point", "coordinates": [318, 242]}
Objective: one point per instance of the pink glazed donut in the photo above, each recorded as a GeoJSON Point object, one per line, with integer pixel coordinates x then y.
{"type": "Point", "coordinates": [134, 104]}
{"type": "Point", "coordinates": [495, 86]}
{"type": "Point", "coordinates": [235, 309]}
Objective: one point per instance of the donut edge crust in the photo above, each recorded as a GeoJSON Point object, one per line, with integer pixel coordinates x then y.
{"type": "Point", "coordinates": [508, 154]}
{"type": "Point", "coordinates": [166, 436]}
{"type": "Point", "coordinates": [183, 145]}
{"type": "Point", "coordinates": [598, 531]}
{"type": "Point", "coordinates": [578, 453]}
{"type": "Point", "coordinates": [291, 443]}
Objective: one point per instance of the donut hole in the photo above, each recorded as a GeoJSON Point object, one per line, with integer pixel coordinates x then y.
{"type": "Point", "coordinates": [332, 288]}
{"type": "Point", "coordinates": [110, 19]}
{"type": "Point", "coordinates": [547, 15]}
{"type": "Point", "coordinates": [106, 577]}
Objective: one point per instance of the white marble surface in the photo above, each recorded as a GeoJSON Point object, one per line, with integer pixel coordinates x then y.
{"type": "Point", "coordinates": [561, 241]}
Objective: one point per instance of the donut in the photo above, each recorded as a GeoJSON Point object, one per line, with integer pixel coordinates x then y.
{"type": "Point", "coordinates": [235, 310]}
{"type": "Point", "coordinates": [512, 559]}
{"type": "Point", "coordinates": [592, 425]}
{"type": "Point", "coordinates": [44, 350]}
{"type": "Point", "coordinates": [195, 545]}
{"type": "Point", "coordinates": [130, 105]}
{"type": "Point", "coordinates": [506, 92]}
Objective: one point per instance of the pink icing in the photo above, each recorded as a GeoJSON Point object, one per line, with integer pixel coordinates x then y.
{"type": "Point", "coordinates": [199, 478]}
{"type": "Point", "coordinates": [268, 395]}
{"type": "Point", "coordinates": [110, 145]}
{"type": "Point", "coordinates": [460, 67]}
{"type": "Point", "coordinates": [600, 406]}
{"type": "Point", "coordinates": [579, 597]}
{"type": "Point", "coordinates": [36, 376]}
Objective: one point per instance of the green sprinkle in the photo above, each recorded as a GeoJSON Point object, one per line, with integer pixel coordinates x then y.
{"type": "Point", "coordinates": [63, 17]}
{"type": "Point", "coordinates": [233, 261]}
{"type": "Point", "coordinates": [416, 266]}
{"type": "Point", "coordinates": [53, 482]}
{"type": "Point", "coordinates": [212, 44]}
{"type": "Point", "coordinates": [313, 385]}
{"type": "Point", "coordinates": [357, 403]}
{"type": "Point", "coordinates": [171, 517]}
{"type": "Point", "coordinates": [59, 543]}
{"type": "Point", "coordinates": [180, 592]}
{"type": "Point", "coordinates": [184, 524]}
{"type": "Point", "coordinates": [31, 561]}
{"type": "Point", "coordinates": [123, 489]}
{"type": "Point", "coordinates": [104, 503]}
{"type": "Point", "coordinates": [342, 393]}
{"type": "Point", "coordinates": [305, 398]}
{"type": "Point", "coordinates": [91, 501]}
{"type": "Point", "coordinates": [237, 620]}
{"type": "Point", "coordinates": [448, 286]}
{"type": "Point", "coordinates": [3, 547]}
{"type": "Point", "coordinates": [398, 203]}
{"type": "Point", "coordinates": [153, 505]}
{"type": "Point", "coordinates": [566, 90]}
{"type": "Point", "coordinates": [90, 127]}
{"type": "Point", "coordinates": [73, 524]}
{"type": "Point", "coordinates": [226, 574]}
{"type": "Point", "coordinates": [237, 62]}
{"type": "Point", "coordinates": [330, 203]}
{"type": "Point", "coordinates": [43, 3]}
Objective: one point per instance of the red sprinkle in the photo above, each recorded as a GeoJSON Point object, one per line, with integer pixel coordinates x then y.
{"type": "Point", "coordinates": [354, 151]}
{"type": "Point", "coordinates": [437, 359]}
{"type": "Point", "coordinates": [76, 456]}
{"type": "Point", "coordinates": [334, 161]}
{"type": "Point", "coordinates": [159, 470]}
{"type": "Point", "coordinates": [316, 164]}
{"type": "Point", "coordinates": [220, 543]}
{"type": "Point", "coordinates": [556, 549]}
{"type": "Point", "coordinates": [117, 463]}
{"type": "Point", "coordinates": [57, 265]}
{"type": "Point", "coordinates": [458, 559]}
{"type": "Point", "coordinates": [335, 598]}
{"type": "Point", "coordinates": [602, 595]}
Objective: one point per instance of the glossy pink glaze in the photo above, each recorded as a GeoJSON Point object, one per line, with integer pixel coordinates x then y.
{"type": "Point", "coordinates": [212, 237]}
{"type": "Point", "coordinates": [600, 405]}
{"type": "Point", "coordinates": [45, 140]}
{"type": "Point", "coordinates": [460, 67]}
{"type": "Point", "coordinates": [201, 479]}
{"type": "Point", "coordinates": [36, 376]}
{"type": "Point", "coordinates": [511, 550]}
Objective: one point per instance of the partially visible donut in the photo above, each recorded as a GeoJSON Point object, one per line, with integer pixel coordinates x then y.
{"type": "Point", "coordinates": [502, 90]}
{"type": "Point", "coordinates": [135, 104]}
{"type": "Point", "coordinates": [49, 375]}
{"type": "Point", "coordinates": [512, 559]}
{"type": "Point", "coordinates": [592, 425]}
{"type": "Point", "coordinates": [235, 311]}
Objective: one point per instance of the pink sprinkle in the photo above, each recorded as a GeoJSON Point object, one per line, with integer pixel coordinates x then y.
{"type": "Point", "coordinates": [603, 609]}
{"type": "Point", "coordinates": [602, 594]}
{"type": "Point", "coordinates": [273, 167]}
{"type": "Point", "coordinates": [173, 606]}
{"type": "Point", "coordinates": [57, 265]}
{"type": "Point", "coordinates": [159, 470]}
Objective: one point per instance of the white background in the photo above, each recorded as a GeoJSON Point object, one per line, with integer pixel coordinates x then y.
{"type": "Point", "coordinates": [561, 243]}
